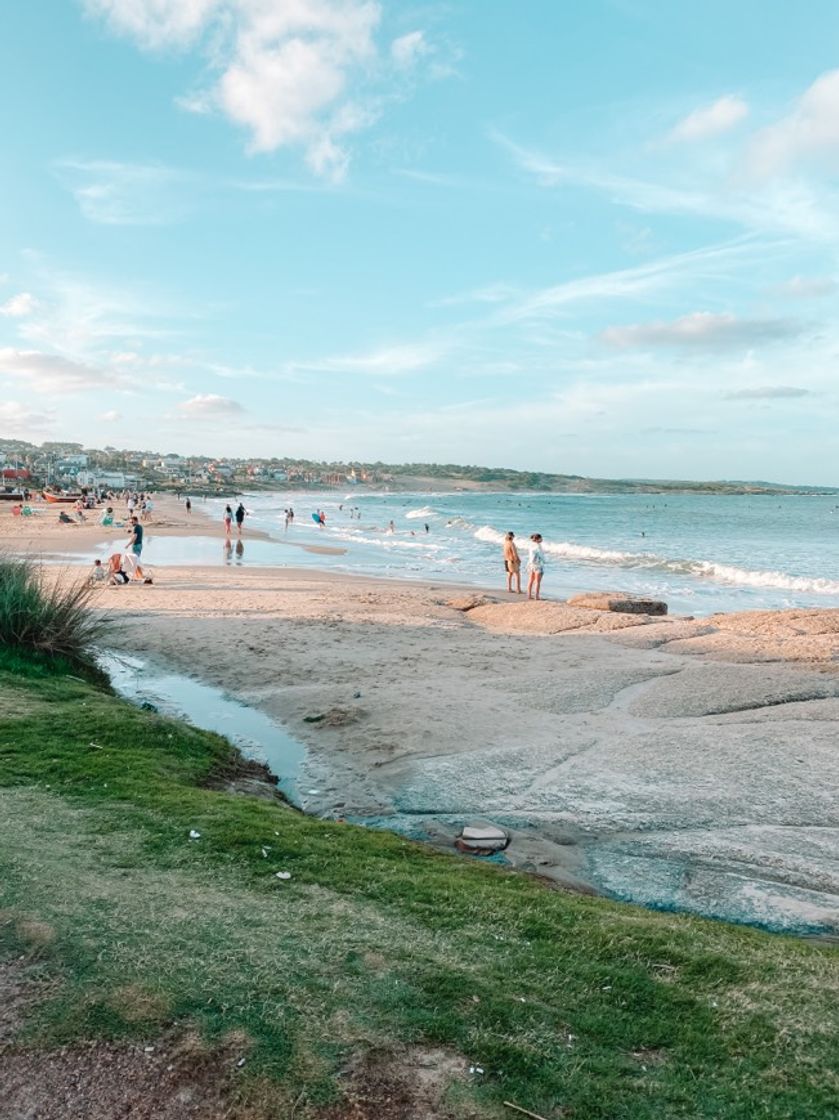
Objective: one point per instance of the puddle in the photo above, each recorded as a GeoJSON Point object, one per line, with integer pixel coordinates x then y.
{"type": "Point", "coordinates": [255, 734]}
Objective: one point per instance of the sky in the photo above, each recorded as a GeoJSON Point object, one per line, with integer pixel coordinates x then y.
{"type": "Point", "coordinates": [596, 238]}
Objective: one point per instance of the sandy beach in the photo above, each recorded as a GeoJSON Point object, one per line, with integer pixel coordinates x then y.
{"type": "Point", "coordinates": [688, 764]}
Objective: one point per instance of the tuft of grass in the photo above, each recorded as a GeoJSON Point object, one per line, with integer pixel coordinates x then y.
{"type": "Point", "coordinates": [47, 618]}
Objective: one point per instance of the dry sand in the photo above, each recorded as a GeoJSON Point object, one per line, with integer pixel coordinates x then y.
{"type": "Point", "coordinates": [691, 764]}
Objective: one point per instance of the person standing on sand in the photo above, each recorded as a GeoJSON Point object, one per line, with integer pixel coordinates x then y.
{"type": "Point", "coordinates": [228, 521]}
{"type": "Point", "coordinates": [135, 541]}
{"type": "Point", "coordinates": [240, 517]}
{"type": "Point", "coordinates": [188, 506]}
{"type": "Point", "coordinates": [535, 566]}
{"type": "Point", "coordinates": [512, 562]}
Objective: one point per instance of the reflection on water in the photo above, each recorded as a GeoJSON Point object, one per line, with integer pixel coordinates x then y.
{"type": "Point", "coordinates": [253, 732]}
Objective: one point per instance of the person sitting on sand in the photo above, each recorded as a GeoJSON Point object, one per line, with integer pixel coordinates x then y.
{"type": "Point", "coordinates": [130, 562]}
{"type": "Point", "coordinates": [116, 575]}
{"type": "Point", "coordinates": [97, 573]}
{"type": "Point", "coordinates": [535, 566]}
{"type": "Point", "coordinates": [512, 562]}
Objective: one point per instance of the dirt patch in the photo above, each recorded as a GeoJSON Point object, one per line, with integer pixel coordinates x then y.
{"type": "Point", "coordinates": [247, 776]}
{"type": "Point", "coordinates": [20, 991]}
{"type": "Point", "coordinates": [167, 1081]}
{"type": "Point", "coordinates": [409, 1084]}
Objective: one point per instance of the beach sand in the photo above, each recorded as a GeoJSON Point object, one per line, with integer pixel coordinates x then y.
{"type": "Point", "coordinates": [687, 764]}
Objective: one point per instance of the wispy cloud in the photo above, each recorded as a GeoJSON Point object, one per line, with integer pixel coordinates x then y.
{"type": "Point", "coordinates": [386, 361]}
{"type": "Point", "coordinates": [662, 274]}
{"type": "Point", "coordinates": [124, 194]}
{"type": "Point", "coordinates": [791, 207]}
{"type": "Point", "coordinates": [52, 373]}
{"type": "Point", "coordinates": [710, 120]}
{"type": "Point", "coordinates": [408, 49]}
{"type": "Point", "coordinates": [701, 330]}
{"type": "Point", "coordinates": [18, 419]}
{"type": "Point", "coordinates": [768, 393]}
{"type": "Point", "coordinates": [807, 287]}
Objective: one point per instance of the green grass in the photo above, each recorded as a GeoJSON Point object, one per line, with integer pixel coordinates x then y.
{"type": "Point", "coordinates": [43, 616]}
{"type": "Point", "coordinates": [568, 1003]}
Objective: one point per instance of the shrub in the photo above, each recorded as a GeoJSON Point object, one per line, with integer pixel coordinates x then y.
{"type": "Point", "coordinates": [45, 616]}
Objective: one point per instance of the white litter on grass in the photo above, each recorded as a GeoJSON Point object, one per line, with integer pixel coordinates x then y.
{"type": "Point", "coordinates": [194, 835]}
{"type": "Point", "coordinates": [283, 875]}
{"type": "Point", "coordinates": [265, 852]}
{"type": "Point", "coordinates": [476, 1069]}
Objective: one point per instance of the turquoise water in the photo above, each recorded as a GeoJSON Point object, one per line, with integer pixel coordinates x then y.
{"type": "Point", "coordinates": [701, 553]}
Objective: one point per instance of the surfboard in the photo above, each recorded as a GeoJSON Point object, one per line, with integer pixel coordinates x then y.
{"type": "Point", "coordinates": [316, 519]}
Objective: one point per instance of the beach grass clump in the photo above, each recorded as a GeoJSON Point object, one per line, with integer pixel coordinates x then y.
{"type": "Point", "coordinates": [47, 617]}
{"type": "Point", "coordinates": [146, 903]}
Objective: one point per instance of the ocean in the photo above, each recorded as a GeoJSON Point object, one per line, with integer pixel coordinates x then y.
{"type": "Point", "coordinates": [701, 553]}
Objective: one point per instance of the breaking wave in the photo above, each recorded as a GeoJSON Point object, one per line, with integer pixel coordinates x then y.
{"type": "Point", "coordinates": [703, 569]}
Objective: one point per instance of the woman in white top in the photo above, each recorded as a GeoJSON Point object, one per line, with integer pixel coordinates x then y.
{"type": "Point", "coordinates": [535, 566]}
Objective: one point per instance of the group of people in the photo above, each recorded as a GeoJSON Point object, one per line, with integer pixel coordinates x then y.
{"type": "Point", "coordinates": [535, 565]}
{"type": "Point", "coordinates": [124, 566]}
{"type": "Point", "coordinates": [230, 517]}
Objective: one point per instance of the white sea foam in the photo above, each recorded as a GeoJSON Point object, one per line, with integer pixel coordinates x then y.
{"type": "Point", "coordinates": [704, 569]}
{"type": "Point", "coordinates": [425, 512]}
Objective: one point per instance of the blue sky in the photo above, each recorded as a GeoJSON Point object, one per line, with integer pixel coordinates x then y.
{"type": "Point", "coordinates": [597, 237]}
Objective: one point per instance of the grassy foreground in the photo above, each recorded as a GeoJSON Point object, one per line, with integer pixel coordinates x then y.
{"type": "Point", "coordinates": [571, 1006]}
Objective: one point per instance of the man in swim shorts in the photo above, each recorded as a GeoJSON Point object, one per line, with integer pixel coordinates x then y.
{"type": "Point", "coordinates": [512, 562]}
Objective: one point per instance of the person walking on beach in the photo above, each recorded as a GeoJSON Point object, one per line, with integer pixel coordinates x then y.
{"type": "Point", "coordinates": [228, 521]}
{"type": "Point", "coordinates": [512, 562]}
{"type": "Point", "coordinates": [135, 540]}
{"type": "Point", "coordinates": [535, 566]}
{"type": "Point", "coordinates": [188, 506]}
{"type": "Point", "coordinates": [240, 517]}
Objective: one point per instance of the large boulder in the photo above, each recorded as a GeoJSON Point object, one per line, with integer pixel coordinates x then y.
{"type": "Point", "coordinates": [617, 601]}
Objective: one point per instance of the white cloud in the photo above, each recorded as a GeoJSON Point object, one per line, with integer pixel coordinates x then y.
{"type": "Point", "coordinates": [18, 306]}
{"type": "Point", "coordinates": [408, 49]}
{"type": "Point", "coordinates": [280, 70]}
{"type": "Point", "coordinates": [209, 405]}
{"type": "Point", "coordinates": [810, 129]}
{"type": "Point", "coordinates": [111, 416]}
{"type": "Point", "coordinates": [156, 23]}
{"type": "Point", "coordinates": [699, 331]}
{"type": "Point", "coordinates": [710, 120]}
{"type": "Point", "coordinates": [52, 373]}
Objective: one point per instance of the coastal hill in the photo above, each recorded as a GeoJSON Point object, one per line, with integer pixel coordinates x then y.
{"type": "Point", "coordinates": [70, 465]}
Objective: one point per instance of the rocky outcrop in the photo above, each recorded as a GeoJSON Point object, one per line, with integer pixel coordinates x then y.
{"type": "Point", "coordinates": [616, 601]}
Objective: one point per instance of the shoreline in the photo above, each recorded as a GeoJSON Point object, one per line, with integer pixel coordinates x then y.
{"type": "Point", "coordinates": [682, 763]}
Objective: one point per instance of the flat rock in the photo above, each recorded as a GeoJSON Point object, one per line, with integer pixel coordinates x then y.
{"type": "Point", "coordinates": [616, 601]}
